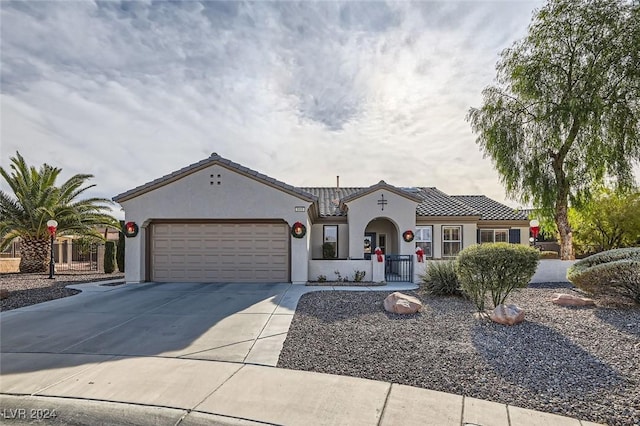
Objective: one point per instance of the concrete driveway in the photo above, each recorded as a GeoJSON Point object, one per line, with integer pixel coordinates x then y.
{"type": "Point", "coordinates": [245, 323]}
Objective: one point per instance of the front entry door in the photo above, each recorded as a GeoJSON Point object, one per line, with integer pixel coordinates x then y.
{"type": "Point", "coordinates": [369, 244]}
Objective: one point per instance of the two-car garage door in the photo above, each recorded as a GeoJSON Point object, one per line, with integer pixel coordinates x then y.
{"type": "Point", "coordinates": [219, 252]}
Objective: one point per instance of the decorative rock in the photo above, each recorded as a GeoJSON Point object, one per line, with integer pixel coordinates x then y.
{"type": "Point", "coordinates": [4, 293]}
{"type": "Point", "coordinates": [571, 300]}
{"type": "Point", "coordinates": [507, 314]}
{"type": "Point", "coordinates": [399, 303]}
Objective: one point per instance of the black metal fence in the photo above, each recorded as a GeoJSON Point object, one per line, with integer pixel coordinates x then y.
{"type": "Point", "coordinates": [398, 267]}
{"type": "Point", "coordinates": [69, 255]}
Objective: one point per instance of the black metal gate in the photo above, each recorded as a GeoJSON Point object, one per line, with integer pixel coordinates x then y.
{"type": "Point", "coordinates": [398, 267]}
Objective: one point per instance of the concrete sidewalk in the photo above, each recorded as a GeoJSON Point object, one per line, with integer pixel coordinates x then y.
{"type": "Point", "coordinates": [173, 391]}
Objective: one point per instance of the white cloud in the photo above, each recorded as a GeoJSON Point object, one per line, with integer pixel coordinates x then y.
{"type": "Point", "coordinates": [300, 91]}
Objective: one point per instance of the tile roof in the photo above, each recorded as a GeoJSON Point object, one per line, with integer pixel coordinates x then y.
{"type": "Point", "coordinates": [491, 209]}
{"type": "Point", "coordinates": [437, 203]}
{"type": "Point", "coordinates": [329, 201]}
{"type": "Point", "coordinates": [213, 159]}
{"type": "Point", "coordinates": [433, 203]}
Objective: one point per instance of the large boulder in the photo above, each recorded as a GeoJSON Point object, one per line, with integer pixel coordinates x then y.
{"type": "Point", "coordinates": [571, 300]}
{"type": "Point", "coordinates": [400, 303]}
{"type": "Point", "coordinates": [507, 314]}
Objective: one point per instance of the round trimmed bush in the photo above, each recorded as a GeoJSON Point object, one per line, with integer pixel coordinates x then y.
{"type": "Point", "coordinates": [495, 270]}
{"type": "Point", "coordinates": [614, 272]}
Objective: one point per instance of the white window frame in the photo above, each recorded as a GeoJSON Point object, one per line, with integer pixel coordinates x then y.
{"type": "Point", "coordinates": [424, 239]}
{"type": "Point", "coordinates": [451, 241]}
{"type": "Point", "coordinates": [493, 235]}
{"type": "Point", "coordinates": [326, 239]}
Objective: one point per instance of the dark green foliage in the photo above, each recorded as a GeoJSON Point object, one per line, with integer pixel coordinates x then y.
{"type": "Point", "coordinates": [109, 257]}
{"type": "Point", "coordinates": [358, 276]}
{"type": "Point", "coordinates": [495, 270]}
{"type": "Point", "coordinates": [328, 251]}
{"type": "Point", "coordinates": [120, 249]}
{"type": "Point", "coordinates": [613, 272]}
{"type": "Point", "coordinates": [440, 279]}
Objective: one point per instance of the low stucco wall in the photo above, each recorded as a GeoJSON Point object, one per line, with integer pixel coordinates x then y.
{"type": "Point", "coordinates": [346, 268]}
{"type": "Point", "coordinates": [9, 264]}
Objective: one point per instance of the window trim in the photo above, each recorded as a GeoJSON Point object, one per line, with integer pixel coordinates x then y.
{"type": "Point", "coordinates": [324, 230]}
{"type": "Point", "coordinates": [460, 241]}
{"type": "Point", "coordinates": [493, 235]}
{"type": "Point", "coordinates": [417, 240]}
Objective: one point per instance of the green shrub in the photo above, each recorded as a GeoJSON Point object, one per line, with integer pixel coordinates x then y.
{"type": "Point", "coordinates": [440, 279]}
{"type": "Point", "coordinates": [109, 257]}
{"type": "Point", "coordinates": [328, 251]}
{"type": "Point", "coordinates": [120, 250]}
{"type": "Point", "coordinates": [548, 254]}
{"type": "Point", "coordinates": [495, 270]}
{"type": "Point", "coordinates": [614, 272]}
{"type": "Point", "coordinates": [322, 278]}
{"type": "Point", "coordinates": [358, 276]}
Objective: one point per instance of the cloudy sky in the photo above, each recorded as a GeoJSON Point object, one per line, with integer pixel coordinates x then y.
{"type": "Point", "coordinates": [130, 91]}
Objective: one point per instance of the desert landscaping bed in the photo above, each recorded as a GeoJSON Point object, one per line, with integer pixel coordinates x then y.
{"type": "Point", "coordinates": [578, 362]}
{"type": "Point", "coordinates": [29, 289]}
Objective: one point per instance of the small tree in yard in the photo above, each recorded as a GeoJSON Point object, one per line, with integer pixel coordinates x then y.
{"type": "Point", "coordinates": [564, 114]}
{"type": "Point", "coordinates": [495, 270]}
{"type": "Point", "coordinates": [109, 257]}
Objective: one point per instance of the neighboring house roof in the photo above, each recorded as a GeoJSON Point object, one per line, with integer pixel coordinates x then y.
{"type": "Point", "coordinates": [214, 159]}
{"type": "Point", "coordinates": [491, 209]}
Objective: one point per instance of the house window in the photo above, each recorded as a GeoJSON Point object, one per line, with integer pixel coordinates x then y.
{"type": "Point", "coordinates": [451, 240]}
{"type": "Point", "coordinates": [423, 238]}
{"type": "Point", "coordinates": [494, 236]}
{"type": "Point", "coordinates": [330, 242]}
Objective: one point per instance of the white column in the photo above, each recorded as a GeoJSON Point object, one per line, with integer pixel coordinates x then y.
{"type": "Point", "coordinates": [377, 269]}
{"type": "Point", "coordinates": [419, 268]}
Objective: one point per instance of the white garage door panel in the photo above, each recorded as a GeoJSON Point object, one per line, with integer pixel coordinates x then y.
{"type": "Point", "coordinates": [245, 252]}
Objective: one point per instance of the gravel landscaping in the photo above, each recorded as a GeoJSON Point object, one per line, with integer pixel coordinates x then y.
{"type": "Point", "coordinates": [29, 289]}
{"type": "Point", "coordinates": [577, 362]}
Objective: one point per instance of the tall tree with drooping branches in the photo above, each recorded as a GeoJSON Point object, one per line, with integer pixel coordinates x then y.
{"type": "Point", "coordinates": [564, 113]}
{"type": "Point", "coordinates": [35, 199]}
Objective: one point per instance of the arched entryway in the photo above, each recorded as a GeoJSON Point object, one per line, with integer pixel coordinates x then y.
{"type": "Point", "coordinates": [381, 232]}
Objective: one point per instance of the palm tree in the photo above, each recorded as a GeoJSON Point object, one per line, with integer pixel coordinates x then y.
{"type": "Point", "coordinates": [35, 200]}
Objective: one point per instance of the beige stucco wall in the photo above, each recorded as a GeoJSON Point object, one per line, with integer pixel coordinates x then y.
{"type": "Point", "coordinates": [9, 264]}
{"type": "Point", "coordinates": [346, 268]}
{"type": "Point", "coordinates": [317, 235]}
{"type": "Point", "coordinates": [469, 230]}
{"type": "Point", "coordinates": [195, 197]}
{"type": "Point", "coordinates": [399, 210]}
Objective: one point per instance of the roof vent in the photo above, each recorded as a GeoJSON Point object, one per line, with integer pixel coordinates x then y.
{"type": "Point", "coordinates": [411, 189]}
{"type": "Point", "coordinates": [214, 154]}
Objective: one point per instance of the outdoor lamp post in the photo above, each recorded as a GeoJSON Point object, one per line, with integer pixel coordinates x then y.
{"type": "Point", "coordinates": [51, 226]}
{"type": "Point", "coordinates": [535, 228]}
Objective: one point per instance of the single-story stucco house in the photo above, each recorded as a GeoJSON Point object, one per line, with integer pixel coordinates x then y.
{"type": "Point", "coordinates": [218, 221]}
